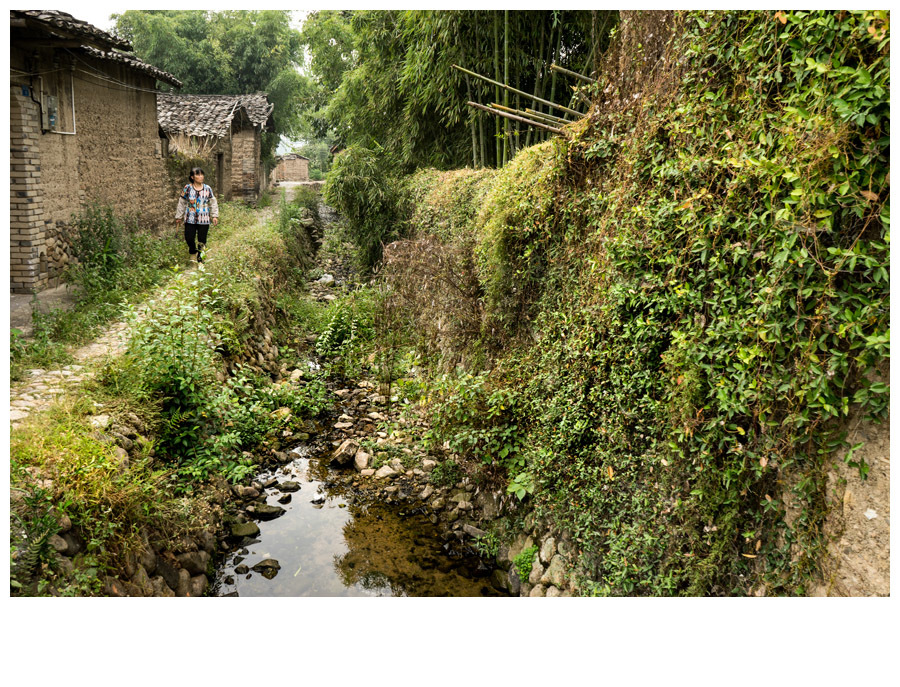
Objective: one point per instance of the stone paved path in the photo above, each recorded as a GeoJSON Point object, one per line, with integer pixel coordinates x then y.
{"type": "Point", "coordinates": [42, 387]}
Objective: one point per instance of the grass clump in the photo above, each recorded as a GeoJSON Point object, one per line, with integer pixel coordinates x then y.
{"type": "Point", "coordinates": [524, 561]}
{"type": "Point", "coordinates": [60, 465]}
{"type": "Point", "coordinates": [446, 473]}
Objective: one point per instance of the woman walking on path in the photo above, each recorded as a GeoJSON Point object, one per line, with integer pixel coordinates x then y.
{"type": "Point", "coordinates": [197, 205]}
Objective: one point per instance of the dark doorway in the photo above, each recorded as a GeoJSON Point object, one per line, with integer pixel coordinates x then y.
{"type": "Point", "coordinates": [220, 173]}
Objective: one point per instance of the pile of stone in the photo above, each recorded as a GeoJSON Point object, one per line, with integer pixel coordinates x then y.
{"type": "Point", "coordinates": [463, 507]}
{"type": "Point", "coordinates": [167, 574]}
{"type": "Point", "coordinates": [58, 249]}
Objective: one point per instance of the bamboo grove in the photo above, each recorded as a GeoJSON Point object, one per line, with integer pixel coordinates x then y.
{"type": "Point", "coordinates": [386, 80]}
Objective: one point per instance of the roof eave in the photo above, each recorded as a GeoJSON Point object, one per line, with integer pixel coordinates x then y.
{"type": "Point", "coordinates": [18, 19]}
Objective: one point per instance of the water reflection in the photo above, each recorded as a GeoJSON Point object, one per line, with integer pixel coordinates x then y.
{"type": "Point", "coordinates": [345, 545]}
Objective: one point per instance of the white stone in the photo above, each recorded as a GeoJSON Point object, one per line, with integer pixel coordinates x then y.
{"type": "Point", "coordinates": [361, 460]}
{"type": "Point", "coordinates": [384, 471]}
{"type": "Point", "coordinates": [100, 421]}
{"type": "Point", "coordinates": [548, 549]}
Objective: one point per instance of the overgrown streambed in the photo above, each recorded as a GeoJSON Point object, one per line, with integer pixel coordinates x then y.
{"type": "Point", "coordinates": [337, 539]}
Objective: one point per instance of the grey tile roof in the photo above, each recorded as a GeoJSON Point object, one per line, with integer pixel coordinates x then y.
{"type": "Point", "coordinates": [292, 156]}
{"type": "Point", "coordinates": [133, 62]}
{"type": "Point", "coordinates": [72, 26]}
{"type": "Point", "coordinates": [209, 115]}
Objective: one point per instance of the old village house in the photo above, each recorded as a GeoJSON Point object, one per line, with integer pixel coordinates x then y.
{"type": "Point", "coordinates": [83, 127]}
{"type": "Point", "coordinates": [292, 167]}
{"type": "Point", "coordinates": [225, 130]}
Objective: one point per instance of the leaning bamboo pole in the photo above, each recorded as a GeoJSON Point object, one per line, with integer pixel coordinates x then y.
{"type": "Point", "coordinates": [530, 114]}
{"type": "Point", "coordinates": [498, 145]}
{"type": "Point", "coordinates": [549, 117]}
{"type": "Point", "coordinates": [569, 72]}
{"type": "Point", "coordinates": [510, 88]}
{"type": "Point", "coordinates": [516, 118]}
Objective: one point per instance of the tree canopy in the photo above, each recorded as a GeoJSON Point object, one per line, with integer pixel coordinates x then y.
{"type": "Point", "coordinates": [229, 52]}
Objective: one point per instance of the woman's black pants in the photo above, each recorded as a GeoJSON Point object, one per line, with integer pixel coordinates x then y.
{"type": "Point", "coordinates": [195, 230]}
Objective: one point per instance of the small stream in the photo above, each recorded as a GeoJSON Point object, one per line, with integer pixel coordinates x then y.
{"type": "Point", "coordinates": [338, 540]}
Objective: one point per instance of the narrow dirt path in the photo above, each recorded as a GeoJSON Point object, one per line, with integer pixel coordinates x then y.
{"type": "Point", "coordinates": [42, 387]}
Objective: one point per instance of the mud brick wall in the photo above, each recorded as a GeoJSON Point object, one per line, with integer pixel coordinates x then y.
{"type": "Point", "coordinates": [115, 157]}
{"type": "Point", "coordinates": [296, 169]}
{"type": "Point", "coordinates": [245, 145]}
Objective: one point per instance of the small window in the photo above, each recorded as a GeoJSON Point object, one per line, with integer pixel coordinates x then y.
{"type": "Point", "coordinates": [58, 102]}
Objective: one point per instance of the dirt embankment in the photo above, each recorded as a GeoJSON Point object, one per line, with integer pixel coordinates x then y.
{"type": "Point", "coordinates": [858, 561]}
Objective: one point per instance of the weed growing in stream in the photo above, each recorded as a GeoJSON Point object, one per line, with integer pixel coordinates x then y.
{"type": "Point", "coordinates": [524, 561]}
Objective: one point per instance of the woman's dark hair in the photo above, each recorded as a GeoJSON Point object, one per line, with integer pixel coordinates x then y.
{"type": "Point", "coordinates": [196, 170]}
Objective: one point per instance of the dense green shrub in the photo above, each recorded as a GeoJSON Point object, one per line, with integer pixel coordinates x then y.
{"type": "Point", "coordinates": [298, 224]}
{"type": "Point", "coordinates": [478, 420]}
{"type": "Point", "coordinates": [306, 197]}
{"type": "Point", "coordinates": [446, 474]}
{"type": "Point", "coordinates": [115, 256]}
{"type": "Point", "coordinates": [363, 187]}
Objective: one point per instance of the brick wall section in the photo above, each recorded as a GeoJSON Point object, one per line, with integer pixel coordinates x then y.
{"type": "Point", "coordinates": [296, 169]}
{"type": "Point", "coordinates": [224, 185]}
{"type": "Point", "coordinates": [26, 213]}
{"type": "Point", "coordinates": [115, 158]}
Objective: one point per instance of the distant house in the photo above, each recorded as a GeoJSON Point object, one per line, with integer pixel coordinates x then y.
{"type": "Point", "coordinates": [227, 131]}
{"type": "Point", "coordinates": [292, 167]}
{"type": "Point", "coordinates": [83, 127]}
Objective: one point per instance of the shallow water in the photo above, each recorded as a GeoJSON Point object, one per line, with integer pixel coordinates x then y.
{"type": "Point", "coordinates": [336, 541]}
